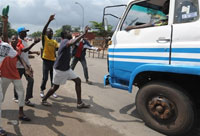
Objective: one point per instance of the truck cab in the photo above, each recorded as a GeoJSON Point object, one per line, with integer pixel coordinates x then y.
{"type": "Point", "coordinates": [156, 47]}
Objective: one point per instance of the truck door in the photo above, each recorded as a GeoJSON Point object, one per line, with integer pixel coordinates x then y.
{"type": "Point", "coordinates": [147, 41]}
{"type": "Point", "coordinates": [186, 34]}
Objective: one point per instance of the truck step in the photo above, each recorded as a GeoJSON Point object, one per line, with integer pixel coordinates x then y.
{"type": "Point", "coordinates": [120, 86]}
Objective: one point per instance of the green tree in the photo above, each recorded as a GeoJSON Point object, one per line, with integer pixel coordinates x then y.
{"type": "Point", "coordinates": [67, 28]}
{"type": "Point", "coordinates": [11, 32]}
{"type": "Point", "coordinates": [36, 34]}
{"type": "Point", "coordinates": [99, 29]}
{"type": "Point", "coordinates": [76, 29]}
{"type": "Point", "coordinates": [64, 27]}
{"type": "Point", "coordinates": [58, 32]}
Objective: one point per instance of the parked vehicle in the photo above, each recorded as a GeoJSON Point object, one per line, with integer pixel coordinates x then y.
{"type": "Point", "coordinates": [163, 61]}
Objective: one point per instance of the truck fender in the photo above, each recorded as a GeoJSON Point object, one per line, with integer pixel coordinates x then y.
{"type": "Point", "coordinates": [180, 69]}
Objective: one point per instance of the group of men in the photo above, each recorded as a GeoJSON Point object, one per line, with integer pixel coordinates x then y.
{"type": "Point", "coordinates": [14, 62]}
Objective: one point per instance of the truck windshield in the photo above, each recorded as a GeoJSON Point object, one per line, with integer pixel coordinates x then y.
{"type": "Point", "coordinates": [139, 15]}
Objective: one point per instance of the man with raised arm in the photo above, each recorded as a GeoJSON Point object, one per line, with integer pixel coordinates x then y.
{"type": "Point", "coordinates": [79, 53]}
{"type": "Point", "coordinates": [48, 55]}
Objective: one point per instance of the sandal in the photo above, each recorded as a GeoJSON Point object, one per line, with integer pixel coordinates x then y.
{"type": "Point", "coordinates": [83, 105]}
{"type": "Point", "coordinates": [45, 103]}
{"type": "Point", "coordinates": [29, 103]}
{"type": "Point", "coordinates": [2, 132]}
{"type": "Point", "coordinates": [24, 118]}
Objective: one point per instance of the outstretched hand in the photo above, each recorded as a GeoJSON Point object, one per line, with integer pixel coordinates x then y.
{"type": "Point", "coordinates": [36, 40]}
{"type": "Point", "coordinates": [52, 17]}
{"type": "Point", "coordinates": [29, 72]}
{"type": "Point", "coordinates": [4, 18]}
{"type": "Point", "coordinates": [38, 53]}
{"type": "Point", "coordinates": [86, 29]}
{"type": "Point", "coordinates": [99, 49]}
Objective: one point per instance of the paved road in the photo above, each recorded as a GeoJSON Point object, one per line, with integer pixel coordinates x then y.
{"type": "Point", "coordinates": [112, 113]}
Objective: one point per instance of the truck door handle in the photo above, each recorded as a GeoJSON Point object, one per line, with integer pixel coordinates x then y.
{"type": "Point", "coordinates": [163, 40]}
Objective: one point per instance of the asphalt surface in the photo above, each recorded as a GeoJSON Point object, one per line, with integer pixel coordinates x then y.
{"type": "Point", "coordinates": [113, 111]}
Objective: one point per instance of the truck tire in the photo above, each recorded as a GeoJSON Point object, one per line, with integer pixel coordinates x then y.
{"type": "Point", "coordinates": [166, 108]}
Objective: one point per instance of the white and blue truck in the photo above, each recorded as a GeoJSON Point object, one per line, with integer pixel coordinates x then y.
{"type": "Point", "coordinates": [161, 59]}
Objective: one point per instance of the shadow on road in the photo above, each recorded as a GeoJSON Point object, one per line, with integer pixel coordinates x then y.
{"type": "Point", "coordinates": [95, 109]}
{"type": "Point", "coordinates": [12, 116]}
{"type": "Point", "coordinates": [49, 121]}
{"type": "Point", "coordinates": [60, 106]}
{"type": "Point", "coordinates": [100, 85]}
{"type": "Point", "coordinates": [128, 108]}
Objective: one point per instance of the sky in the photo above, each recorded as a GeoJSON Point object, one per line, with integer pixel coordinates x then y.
{"type": "Point", "coordinates": [34, 14]}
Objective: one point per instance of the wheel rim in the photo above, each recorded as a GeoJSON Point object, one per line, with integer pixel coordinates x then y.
{"type": "Point", "coordinates": [161, 108]}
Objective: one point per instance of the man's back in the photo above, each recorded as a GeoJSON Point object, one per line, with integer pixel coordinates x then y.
{"type": "Point", "coordinates": [64, 56]}
{"type": "Point", "coordinates": [6, 50]}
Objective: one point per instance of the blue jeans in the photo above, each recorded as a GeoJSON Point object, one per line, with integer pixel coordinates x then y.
{"type": "Point", "coordinates": [83, 63]}
{"type": "Point", "coordinates": [47, 68]}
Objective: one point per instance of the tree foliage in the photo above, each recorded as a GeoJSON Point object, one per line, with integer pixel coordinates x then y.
{"type": "Point", "coordinates": [99, 29]}
{"type": "Point", "coordinates": [76, 29]}
{"type": "Point", "coordinates": [66, 28]}
{"type": "Point", "coordinates": [36, 34]}
{"type": "Point", "coordinates": [58, 33]}
{"type": "Point", "coordinates": [11, 32]}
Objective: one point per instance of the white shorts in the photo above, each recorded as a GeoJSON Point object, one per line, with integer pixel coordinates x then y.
{"type": "Point", "coordinates": [60, 77]}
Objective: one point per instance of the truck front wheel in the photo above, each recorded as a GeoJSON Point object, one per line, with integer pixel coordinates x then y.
{"type": "Point", "coordinates": [166, 108]}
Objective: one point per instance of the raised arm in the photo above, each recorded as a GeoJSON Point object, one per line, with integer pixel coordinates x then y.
{"type": "Point", "coordinates": [73, 41]}
{"type": "Point", "coordinates": [36, 40]}
{"type": "Point", "coordinates": [34, 52]}
{"type": "Point", "coordinates": [5, 31]}
{"type": "Point", "coordinates": [87, 45]}
{"type": "Point", "coordinates": [46, 26]}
